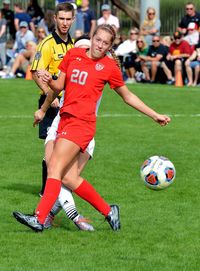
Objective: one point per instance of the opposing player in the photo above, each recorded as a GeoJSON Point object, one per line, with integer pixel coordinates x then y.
{"type": "Point", "coordinates": [83, 74]}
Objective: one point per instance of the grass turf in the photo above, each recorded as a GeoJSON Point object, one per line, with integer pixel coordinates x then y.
{"type": "Point", "coordinates": [160, 230]}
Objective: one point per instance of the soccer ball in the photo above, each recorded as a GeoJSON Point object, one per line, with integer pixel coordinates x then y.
{"type": "Point", "coordinates": [157, 172]}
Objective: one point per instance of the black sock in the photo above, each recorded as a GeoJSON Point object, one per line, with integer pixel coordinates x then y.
{"type": "Point", "coordinates": [44, 176]}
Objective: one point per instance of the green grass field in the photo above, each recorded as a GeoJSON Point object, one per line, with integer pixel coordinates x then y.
{"type": "Point", "coordinates": [160, 229]}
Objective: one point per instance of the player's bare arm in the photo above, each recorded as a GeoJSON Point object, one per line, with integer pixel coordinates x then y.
{"type": "Point", "coordinates": [56, 85]}
{"type": "Point", "coordinates": [132, 100]}
{"type": "Point", "coordinates": [37, 76]}
{"type": "Point", "coordinates": [41, 84]}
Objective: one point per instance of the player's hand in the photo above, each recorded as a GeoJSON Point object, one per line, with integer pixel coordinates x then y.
{"type": "Point", "coordinates": [162, 119]}
{"type": "Point", "coordinates": [38, 117]}
{"type": "Point", "coordinates": [55, 103]}
{"type": "Point", "coordinates": [44, 75]}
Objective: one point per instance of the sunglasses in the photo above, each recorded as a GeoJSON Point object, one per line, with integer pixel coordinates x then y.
{"type": "Point", "coordinates": [189, 8]}
{"type": "Point", "coordinates": [139, 41]}
{"type": "Point", "coordinates": [177, 38]}
{"type": "Point", "coordinates": [156, 40]}
{"type": "Point", "coordinates": [133, 33]}
{"type": "Point", "coordinates": [151, 13]}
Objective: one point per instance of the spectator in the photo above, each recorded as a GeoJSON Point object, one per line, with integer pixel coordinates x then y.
{"type": "Point", "coordinates": [47, 23]}
{"type": "Point", "coordinates": [150, 26]}
{"type": "Point", "coordinates": [190, 16]}
{"type": "Point", "coordinates": [192, 36]}
{"type": "Point", "coordinates": [2, 41]}
{"type": "Point", "coordinates": [40, 34]}
{"type": "Point", "coordinates": [166, 41]}
{"type": "Point", "coordinates": [127, 53]}
{"type": "Point", "coordinates": [156, 55]}
{"type": "Point", "coordinates": [23, 60]}
{"type": "Point", "coordinates": [35, 11]}
{"type": "Point", "coordinates": [193, 64]}
{"type": "Point", "coordinates": [142, 50]}
{"type": "Point", "coordinates": [107, 17]}
{"type": "Point", "coordinates": [88, 17]}
{"type": "Point", "coordinates": [21, 15]}
{"type": "Point", "coordinates": [22, 36]}
{"type": "Point", "coordinates": [179, 51]}
{"type": "Point", "coordinates": [8, 14]}
{"type": "Point", "coordinates": [118, 40]}
{"type": "Point", "coordinates": [78, 33]}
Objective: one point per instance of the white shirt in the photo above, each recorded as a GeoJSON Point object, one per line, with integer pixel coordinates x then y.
{"type": "Point", "coordinates": [111, 20]}
{"type": "Point", "coordinates": [128, 46]}
{"type": "Point", "coordinates": [192, 38]}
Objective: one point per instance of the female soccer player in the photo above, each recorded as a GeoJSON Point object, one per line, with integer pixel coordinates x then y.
{"type": "Point", "coordinates": [65, 199]}
{"type": "Point", "coordinates": [83, 74]}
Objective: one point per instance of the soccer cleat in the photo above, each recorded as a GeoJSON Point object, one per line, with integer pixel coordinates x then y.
{"type": "Point", "coordinates": [49, 221]}
{"type": "Point", "coordinates": [83, 224]}
{"type": "Point", "coordinates": [30, 221]}
{"type": "Point", "coordinates": [113, 218]}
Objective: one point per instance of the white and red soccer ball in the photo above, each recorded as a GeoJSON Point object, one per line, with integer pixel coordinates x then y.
{"type": "Point", "coordinates": [157, 172]}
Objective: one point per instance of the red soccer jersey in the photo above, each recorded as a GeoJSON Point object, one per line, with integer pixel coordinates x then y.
{"type": "Point", "coordinates": [85, 80]}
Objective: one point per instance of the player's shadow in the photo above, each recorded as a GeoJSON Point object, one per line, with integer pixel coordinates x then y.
{"type": "Point", "coordinates": [32, 189]}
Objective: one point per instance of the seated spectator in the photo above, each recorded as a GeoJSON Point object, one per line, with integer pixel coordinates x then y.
{"type": "Point", "coordinates": [192, 35]}
{"type": "Point", "coordinates": [193, 63]}
{"type": "Point", "coordinates": [22, 36]}
{"type": "Point", "coordinates": [23, 60]}
{"type": "Point", "coordinates": [127, 53]}
{"type": "Point", "coordinates": [191, 16]}
{"type": "Point", "coordinates": [166, 41]}
{"type": "Point", "coordinates": [21, 15]}
{"type": "Point", "coordinates": [141, 50]}
{"type": "Point", "coordinates": [35, 11]}
{"type": "Point", "coordinates": [155, 56]}
{"type": "Point", "coordinates": [107, 17]}
{"type": "Point", "coordinates": [47, 22]}
{"type": "Point", "coordinates": [118, 40]}
{"type": "Point", "coordinates": [40, 34]}
{"type": "Point", "coordinates": [179, 51]}
{"type": "Point", "coordinates": [8, 14]}
{"type": "Point", "coordinates": [2, 41]}
{"type": "Point", "coordinates": [150, 26]}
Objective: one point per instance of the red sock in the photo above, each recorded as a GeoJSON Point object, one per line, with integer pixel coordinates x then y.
{"type": "Point", "coordinates": [51, 192]}
{"type": "Point", "coordinates": [87, 192]}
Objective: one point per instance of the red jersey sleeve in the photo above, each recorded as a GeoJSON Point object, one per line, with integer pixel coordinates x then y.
{"type": "Point", "coordinates": [115, 79]}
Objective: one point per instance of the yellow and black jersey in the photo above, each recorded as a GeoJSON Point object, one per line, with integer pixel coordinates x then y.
{"type": "Point", "coordinates": [50, 53]}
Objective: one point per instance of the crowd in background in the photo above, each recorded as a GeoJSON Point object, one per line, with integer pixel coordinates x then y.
{"type": "Point", "coordinates": [145, 55]}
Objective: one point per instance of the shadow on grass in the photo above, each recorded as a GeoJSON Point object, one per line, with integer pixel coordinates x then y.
{"type": "Point", "coordinates": [24, 188]}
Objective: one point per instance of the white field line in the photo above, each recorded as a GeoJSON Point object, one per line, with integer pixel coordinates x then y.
{"type": "Point", "coordinates": [106, 115]}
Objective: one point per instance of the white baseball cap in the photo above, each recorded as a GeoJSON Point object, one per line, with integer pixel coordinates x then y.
{"type": "Point", "coordinates": [6, 2]}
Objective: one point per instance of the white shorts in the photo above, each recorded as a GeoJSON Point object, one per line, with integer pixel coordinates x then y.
{"type": "Point", "coordinates": [52, 132]}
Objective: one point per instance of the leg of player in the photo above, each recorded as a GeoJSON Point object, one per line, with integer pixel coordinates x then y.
{"type": "Point", "coordinates": [65, 200]}
{"type": "Point", "coordinates": [56, 170]}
